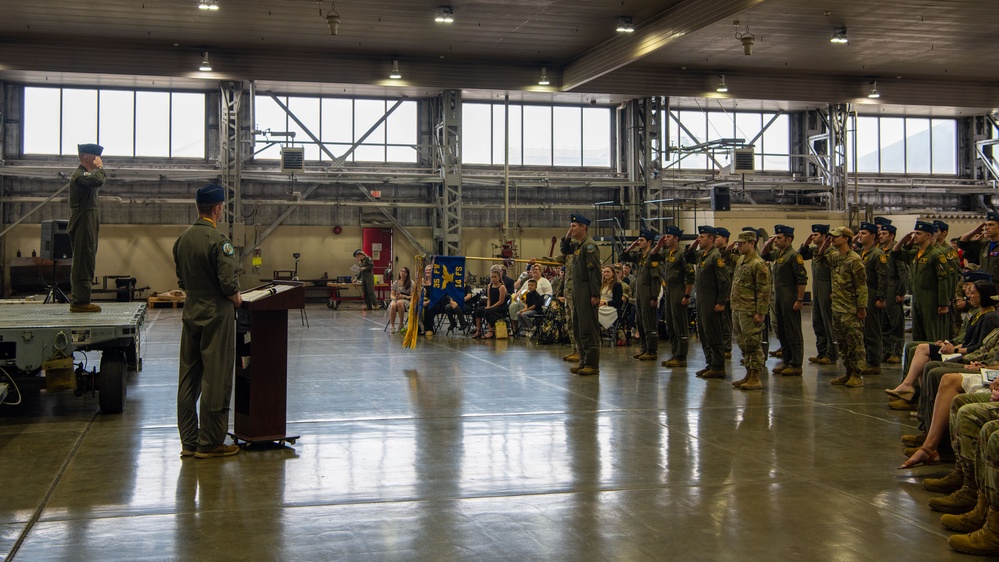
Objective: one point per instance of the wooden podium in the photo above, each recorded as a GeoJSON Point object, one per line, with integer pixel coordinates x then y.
{"type": "Point", "coordinates": [261, 385]}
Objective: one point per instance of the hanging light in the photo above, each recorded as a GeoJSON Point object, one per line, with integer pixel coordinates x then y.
{"type": "Point", "coordinates": [722, 88]}
{"type": "Point", "coordinates": [211, 5]}
{"type": "Point", "coordinates": [624, 25]}
{"type": "Point", "coordinates": [839, 36]}
{"type": "Point", "coordinates": [874, 90]}
{"type": "Point", "coordinates": [544, 77]}
{"type": "Point", "coordinates": [205, 65]}
{"type": "Point", "coordinates": [445, 14]}
{"type": "Point", "coordinates": [395, 74]}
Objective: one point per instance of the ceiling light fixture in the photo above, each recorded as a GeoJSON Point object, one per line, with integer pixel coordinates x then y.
{"type": "Point", "coordinates": [395, 74]}
{"type": "Point", "coordinates": [624, 25]}
{"type": "Point", "coordinates": [332, 17]}
{"type": "Point", "coordinates": [445, 14]}
{"type": "Point", "coordinates": [874, 90]}
{"type": "Point", "coordinates": [205, 65]}
{"type": "Point", "coordinates": [746, 38]}
{"type": "Point", "coordinates": [839, 36]}
{"type": "Point", "coordinates": [544, 77]}
{"type": "Point", "coordinates": [722, 88]}
{"type": "Point", "coordinates": [211, 5]}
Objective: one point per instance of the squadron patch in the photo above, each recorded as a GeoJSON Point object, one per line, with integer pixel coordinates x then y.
{"type": "Point", "coordinates": [943, 259]}
{"type": "Point", "coordinates": [227, 249]}
{"type": "Point", "coordinates": [884, 258]}
{"type": "Point", "coordinates": [721, 262]}
{"type": "Point", "coordinates": [801, 260]}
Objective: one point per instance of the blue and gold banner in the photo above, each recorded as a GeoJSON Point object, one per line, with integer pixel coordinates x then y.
{"type": "Point", "coordinates": [447, 277]}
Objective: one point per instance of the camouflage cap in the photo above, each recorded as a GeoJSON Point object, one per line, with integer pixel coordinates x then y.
{"type": "Point", "coordinates": [747, 236]}
{"type": "Point", "coordinates": [841, 231]}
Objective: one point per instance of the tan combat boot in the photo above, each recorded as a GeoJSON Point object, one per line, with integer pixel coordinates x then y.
{"type": "Point", "coordinates": [946, 485]}
{"type": "Point", "coordinates": [854, 381]}
{"type": "Point", "coordinates": [714, 374]}
{"type": "Point", "coordinates": [648, 357]}
{"type": "Point", "coordinates": [983, 542]}
{"type": "Point", "coordinates": [961, 501]}
{"type": "Point", "coordinates": [842, 379]}
{"type": "Point", "coordinates": [753, 382]}
{"type": "Point", "coordinates": [739, 382]}
{"type": "Point", "coordinates": [778, 368]}
{"type": "Point", "coordinates": [572, 357]}
{"type": "Point", "coordinates": [970, 521]}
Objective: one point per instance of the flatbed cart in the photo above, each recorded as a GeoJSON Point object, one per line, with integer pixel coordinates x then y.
{"type": "Point", "coordinates": [31, 334]}
{"type": "Point", "coordinates": [340, 292]}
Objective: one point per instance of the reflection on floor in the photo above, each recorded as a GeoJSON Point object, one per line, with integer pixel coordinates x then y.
{"type": "Point", "coordinates": [472, 450]}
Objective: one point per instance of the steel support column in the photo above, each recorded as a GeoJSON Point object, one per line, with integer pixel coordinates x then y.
{"type": "Point", "coordinates": [230, 153]}
{"type": "Point", "coordinates": [647, 151]}
{"type": "Point", "coordinates": [447, 160]}
{"type": "Point", "coordinates": [826, 141]}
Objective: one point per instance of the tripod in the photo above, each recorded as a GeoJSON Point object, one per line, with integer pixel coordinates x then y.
{"type": "Point", "coordinates": [53, 293]}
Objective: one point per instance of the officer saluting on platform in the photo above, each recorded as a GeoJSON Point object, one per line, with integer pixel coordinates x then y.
{"type": "Point", "coordinates": [85, 224]}
{"type": "Point", "coordinates": [208, 271]}
{"type": "Point", "coordinates": [585, 296]}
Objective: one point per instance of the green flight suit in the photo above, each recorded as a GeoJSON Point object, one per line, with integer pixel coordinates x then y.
{"type": "Point", "coordinates": [586, 285]}
{"type": "Point", "coordinates": [366, 275]}
{"type": "Point", "coordinates": [713, 286]}
{"type": "Point", "coordinates": [983, 252]}
{"type": "Point", "coordinates": [788, 272]}
{"type": "Point", "coordinates": [876, 268]}
{"type": "Point", "coordinates": [825, 341]}
{"type": "Point", "coordinates": [893, 321]}
{"type": "Point", "coordinates": [208, 271]}
{"type": "Point", "coordinates": [647, 285]}
{"type": "Point", "coordinates": [929, 277]}
{"type": "Point", "coordinates": [676, 274]}
{"type": "Point", "coordinates": [730, 258]}
{"type": "Point", "coordinates": [84, 229]}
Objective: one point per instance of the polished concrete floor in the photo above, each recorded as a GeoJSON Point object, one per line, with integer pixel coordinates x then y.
{"type": "Point", "coordinates": [471, 450]}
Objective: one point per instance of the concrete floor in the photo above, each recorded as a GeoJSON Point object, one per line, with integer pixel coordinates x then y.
{"type": "Point", "coordinates": [471, 450]}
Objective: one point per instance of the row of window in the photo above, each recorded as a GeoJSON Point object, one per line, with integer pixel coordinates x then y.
{"type": "Point", "coordinates": [137, 123]}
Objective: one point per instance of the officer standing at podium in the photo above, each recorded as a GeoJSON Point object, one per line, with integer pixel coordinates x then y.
{"type": "Point", "coordinates": [85, 224]}
{"type": "Point", "coordinates": [207, 270]}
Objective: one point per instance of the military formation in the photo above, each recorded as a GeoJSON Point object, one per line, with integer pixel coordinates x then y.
{"type": "Point", "coordinates": [742, 289]}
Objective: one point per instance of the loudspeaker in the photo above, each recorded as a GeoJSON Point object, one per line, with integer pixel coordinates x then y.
{"type": "Point", "coordinates": [55, 240]}
{"type": "Point", "coordinates": [720, 200]}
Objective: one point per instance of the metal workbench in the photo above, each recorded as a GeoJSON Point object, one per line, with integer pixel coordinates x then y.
{"type": "Point", "coordinates": [31, 334]}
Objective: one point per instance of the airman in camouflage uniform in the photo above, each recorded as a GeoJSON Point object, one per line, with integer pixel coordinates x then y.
{"type": "Point", "coordinates": [849, 302]}
{"type": "Point", "coordinates": [751, 289]}
{"type": "Point", "coordinates": [876, 268]}
{"type": "Point", "coordinates": [789, 279]}
{"type": "Point", "coordinates": [929, 277]}
{"type": "Point", "coordinates": [713, 285]}
{"type": "Point", "coordinates": [647, 285]}
{"type": "Point", "coordinates": [585, 297]}
{"type": "Point", "coordinates": [208, 271]}
{"type": "Point", "coordinates": [985, 251]}
{"type": "Point", "coordinates": [893, 321]}
{"type": "Point", "coordinates": [821, 297]}
{"type": "Point", "coordinates": [678, 276]}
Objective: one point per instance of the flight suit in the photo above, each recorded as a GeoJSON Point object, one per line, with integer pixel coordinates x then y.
{"type": "Point", "coordinates": [929, 278]}
{"type": "Point", "coordinates": [983, 252]}
{"type": "Point", "coordinates": [713, 286]}
{"type": "Point", "coordinates": [647, 285]}
{"type": "Point", "coordinates": [893, 320]}
{"type": "Point", "coordinates": [676, 274]}
{"type": "Point", "coordinates": [367, 277]}
{"type": "Point", "coordinates": [825, 342]}
{"type": "Point", "coordinates": [876, 269]}
{"type": "Point", "coordinates": [586, 284]}
{"type": "Point", "coordinates": [788, 274]}
{"type": "Point", "coordinates": [84, 228]}
{"type": "Point", "coordinates": [207, 270]}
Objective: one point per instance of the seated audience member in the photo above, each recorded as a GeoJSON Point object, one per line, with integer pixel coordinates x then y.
{"type": "Point", "coordinates": [496, 306]}
{"type": "Point", "coordinates": [402, 291]}
{"type": "Point", "coordinates": [517, 303]}
{"type": "Point", "coordinates": [610, 298]}
{"type": "Point", "coordinates": [535, 304]}
{"type": "Point", "coordinates": [979, 324]}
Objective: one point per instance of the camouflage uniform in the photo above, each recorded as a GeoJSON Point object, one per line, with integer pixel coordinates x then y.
{"type": "Point", "coordinates": [676, 274]}
{"type": "Point", "coordinates": [647, 285]}
{"type": "Point", "coordinates": [969, 413]}
{"type": "Point", "coordinates": [751, 288]}
{"type": "Point", "coordinates": [788, 274]}
{"type": "Point", "coordinates": [876, 268]}
{"type": "Point", "coordinates": [822, 303]}
{"type": "Point", "coordinates": [713, 286]}
{"type": "Point", "coordinates": [849, 293]}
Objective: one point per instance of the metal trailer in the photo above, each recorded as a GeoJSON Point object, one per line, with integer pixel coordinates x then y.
{"type": "Point", "coordinates": [31, 334]}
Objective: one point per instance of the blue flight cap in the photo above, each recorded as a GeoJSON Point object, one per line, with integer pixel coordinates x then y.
{"type": "Point", "coordinates": [649, 235]}
{"type": "Point", "coordinates": [992, 216]}
{"type": "Point", "coordinates": [705, 229]}
{"type": "Point", "coordinates": [941, 225]}
{"type": "Point", "coordinates": [749, 229]}
{"type": "Point", "coordinates": [882, 221]}
{"type": "Point", "coordinates": [674, 230]}
{"type": "Point", "coordinates": [926, 227]}
{"type": "Point", "coordinates": [783, 229]}
{"type": "Point", "coordinates": [869, 227]}
{"type": "Point", "coordinates": [722, 231]}
{"type": "Point", "coordinates": [979, 275]}
{"type": "Point", "coordinates": [579, 219]}
{"type": "Point", "coordinates": [90, 148]}
{"type": "Point", "coordinates": [820, 228]}
{"type": "Point", "coordinates": [890, 228]}
{"type": "Point", "coordinates": [358, 251]}
{"type": "Point", "coordinates": [210, 194]}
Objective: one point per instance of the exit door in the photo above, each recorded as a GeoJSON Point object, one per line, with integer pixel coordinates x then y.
{"type": "Point", "coordinates": [377, 243]}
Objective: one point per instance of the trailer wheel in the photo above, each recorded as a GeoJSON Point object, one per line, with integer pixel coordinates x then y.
{"type": "Point", "coordinates": [111, 384]}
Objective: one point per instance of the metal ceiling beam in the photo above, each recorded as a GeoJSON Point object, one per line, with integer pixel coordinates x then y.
{"type": "Point", "coordinates": [659, 31]}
